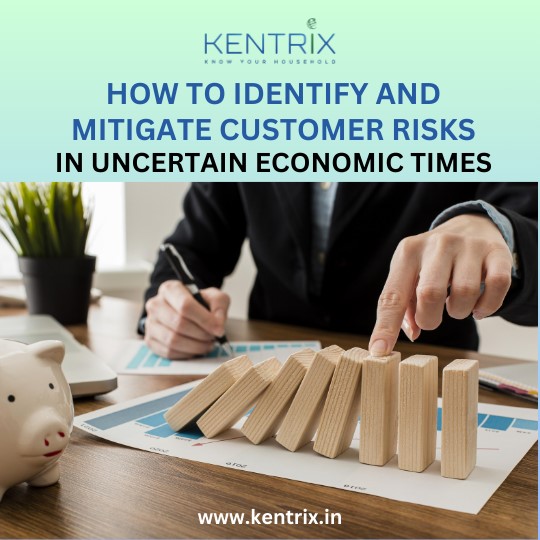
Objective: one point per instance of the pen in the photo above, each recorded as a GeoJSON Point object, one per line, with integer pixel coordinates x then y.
{"type": "Point", "coordinates": [186, 277]}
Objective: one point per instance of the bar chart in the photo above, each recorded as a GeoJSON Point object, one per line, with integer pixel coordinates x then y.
{"type": "Point", "coordinates": [496, 422]}
{"type": "Point", "coordinates": [151, 415]}
{"type": "Point", "coordinates": [139, 359]}
{"type": "Point", "coordinates": [505, 435]}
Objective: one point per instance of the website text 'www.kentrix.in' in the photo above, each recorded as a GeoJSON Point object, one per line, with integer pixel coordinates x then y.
{"type": "Point", "coordinates": [269, 518]}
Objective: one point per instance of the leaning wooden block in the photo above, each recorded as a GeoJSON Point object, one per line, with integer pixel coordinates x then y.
{"type": "Point", "coordinates": [302, 419]}
{"type": "Point", "coordinates": [417, 418]}
{"type": "Point", "coordinates": [378, 409]}
{"type": "Point", "coordinates": [198, 400]}
{"type": "Point", "coordinates": [342, 407]}
{"type": "Point", "coordinates": [271, 408]}
{"type": "Point", "coordinates": [238, 399]}
{"type": "Point", "coordinates": [459, 418]}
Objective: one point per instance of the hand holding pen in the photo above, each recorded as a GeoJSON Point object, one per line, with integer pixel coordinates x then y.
{"type": "Point", "coordinates": [178, 325]}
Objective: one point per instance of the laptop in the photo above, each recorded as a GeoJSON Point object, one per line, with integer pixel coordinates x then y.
{"type": "Point", "coordinates": [85, 372]}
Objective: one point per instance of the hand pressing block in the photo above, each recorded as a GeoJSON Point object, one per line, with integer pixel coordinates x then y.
{"type": "Point", "coordinates": [203, 396]}
{"type": "Point", "coordinates": [238, 399]}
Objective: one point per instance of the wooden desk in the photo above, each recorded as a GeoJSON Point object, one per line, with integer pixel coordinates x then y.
{"type": "Point", "coordinates": [115, 492]}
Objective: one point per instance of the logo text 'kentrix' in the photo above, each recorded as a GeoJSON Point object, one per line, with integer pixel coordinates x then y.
{"type": "Point", "coordinates": [268, 43]}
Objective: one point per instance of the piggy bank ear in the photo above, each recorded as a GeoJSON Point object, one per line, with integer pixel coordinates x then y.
{"type": "Point", "coordinates": [48, 350]}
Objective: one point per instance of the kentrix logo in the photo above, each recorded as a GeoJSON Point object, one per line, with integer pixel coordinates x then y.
{"type": "Point", "coordinates": [270, 43]}
{"type": "Point", "coordinates": [276, 47]}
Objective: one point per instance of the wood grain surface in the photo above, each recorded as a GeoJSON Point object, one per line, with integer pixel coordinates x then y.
{"type": "Point", "coordinates": [109, 491]}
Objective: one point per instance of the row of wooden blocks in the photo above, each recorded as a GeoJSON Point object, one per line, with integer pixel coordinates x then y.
{"type": "Point", "coordinates": [325, 392]}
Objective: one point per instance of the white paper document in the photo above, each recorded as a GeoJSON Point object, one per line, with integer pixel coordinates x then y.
{"type": "Point", "coordinates": [505, 435]}
{"type": "Point", "coordinates": [137, 358]}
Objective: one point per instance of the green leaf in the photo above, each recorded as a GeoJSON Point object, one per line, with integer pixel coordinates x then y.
{"type": "Point", "coordinates": [45, 220]}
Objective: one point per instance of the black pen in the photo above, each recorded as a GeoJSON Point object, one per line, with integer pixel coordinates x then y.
{"type": "Point", "coordinates": [186, 277]}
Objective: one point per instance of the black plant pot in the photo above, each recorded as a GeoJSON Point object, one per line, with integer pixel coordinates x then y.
{"type": "Point", "coordinates": [59, 287]}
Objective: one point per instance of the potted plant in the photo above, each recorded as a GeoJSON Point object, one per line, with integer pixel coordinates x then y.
{"type": "Point", "coordinates": [47, 225]}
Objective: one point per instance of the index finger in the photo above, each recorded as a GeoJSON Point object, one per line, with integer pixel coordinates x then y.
{"type": "Point", "coordinates": [395, 297]}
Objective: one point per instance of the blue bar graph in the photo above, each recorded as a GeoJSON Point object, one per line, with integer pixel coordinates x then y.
{"type": "Point", "coordinates": [149, 414]}
{"type": "Point", "coordinates": [500, 423]}
{"type": "Point", "coordinates": [165, 431]}
{"type": "Point", "coordinates": [481, 418]}
{"type": "Point", "coordinates": [144, 358]}
{"type": "Point", "coordinates": [137, 360]}
{"type": "Point", "coordinates": [152, 360]}
{"type": "Point", "coordinates": [136, 412]}
{"type": "Point", "coordinates": [154, 420]}
{"type": "Point", "coordinates": [162, 431]}
{"type": "Point", "coordinates": [193, 433]}
{"type": "Point", "coordinates": [531, 425]}
{"type": "Point", "coordinates": [217, 352]}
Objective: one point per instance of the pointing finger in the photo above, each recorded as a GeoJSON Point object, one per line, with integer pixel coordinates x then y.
{"type": "Point", "coordinates": [395, 298]}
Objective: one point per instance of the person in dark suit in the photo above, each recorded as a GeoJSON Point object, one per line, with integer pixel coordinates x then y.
{"type": "Point", "coordinates": [366, 258]}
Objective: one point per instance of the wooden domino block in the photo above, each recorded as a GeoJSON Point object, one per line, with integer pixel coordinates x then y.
{"type": "Point", "coordinates": [301, 421]}
{"type": "Point", "coordinates": [271, 408]}
{"type": "Point", "coordinates": [417, 416]}
{"type": "Point", "coordinates": [459, 418]}
{"type": "Point", "coordinates": [238, 399]}
{"type": "Point", "coordinates": [342, 407]}
{"type": "Point", "coordinates": [378, 409]}
{"type": "Point", "coordinates": [200, 398]}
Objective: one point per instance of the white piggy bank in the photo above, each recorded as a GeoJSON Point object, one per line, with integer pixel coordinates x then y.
{"type": "Point", "coordinates": [36, 413]}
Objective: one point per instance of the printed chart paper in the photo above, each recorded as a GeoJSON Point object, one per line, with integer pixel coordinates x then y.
{"type": "Point", "coordinates": [137, 358]}
{"type": "Point", "coordinates": [504, 437]}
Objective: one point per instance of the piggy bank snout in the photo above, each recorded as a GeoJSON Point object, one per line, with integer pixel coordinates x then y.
{"type": "Point", "coordinates": [43, 433]}
{"type": "Point", "coordinates": [54, 434]}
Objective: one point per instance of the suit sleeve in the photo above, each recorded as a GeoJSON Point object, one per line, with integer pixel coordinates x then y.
{"type": "Point", "coordinates": [519, 202]}
{"type": "Point", "coordinates": [209, 238]}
